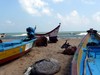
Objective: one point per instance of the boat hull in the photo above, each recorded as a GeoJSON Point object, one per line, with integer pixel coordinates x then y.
{"type": "Point", "coordinates": [85, 56]}
{"type": "Point", "coordinates": [76, 62]}
{"type": "Point", "coordinates": [5, 60]}
{"type": "Point", "coordinates": [15, 51]}
{"type": "Point", "coordinates": [52, 34]}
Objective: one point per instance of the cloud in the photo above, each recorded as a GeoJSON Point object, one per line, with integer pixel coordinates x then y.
{"type": "Point", "coordinates": [79, 22]}
{"type": "Point", "coordinates": [73, 19]}
{"type": "Point", "coordinates": [88, 1]}
{"type": "Point", "coordinates": [57, 1]}
{"type": "Point", "coordinates": [9, 22]}
{"type": "Point", "coordinates": [35, 7]}
{"type": "Point", "coordinates": [96, 17]}
{"type": "Point", "coordinates": [46, 11]}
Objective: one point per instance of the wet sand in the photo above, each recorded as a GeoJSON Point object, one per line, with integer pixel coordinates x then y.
{"type": "Point", "coordinates": [53, 50]}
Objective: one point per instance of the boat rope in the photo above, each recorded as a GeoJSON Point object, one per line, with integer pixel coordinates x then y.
{"type": "Point", "coordinates": [89, 68]}
{"type": "Point", "coordinates": [86, 63]}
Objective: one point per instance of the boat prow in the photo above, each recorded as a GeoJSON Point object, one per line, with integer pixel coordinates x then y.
{"type": "Point", "coordinates": [51, 34]}
{"type": "Point", "coordinates": [87, 57]}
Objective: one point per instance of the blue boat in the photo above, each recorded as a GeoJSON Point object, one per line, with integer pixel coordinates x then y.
{"type": "Point", "coordinates": [86, 60]}
{"type": "Point", "coordinates": [14, 49]}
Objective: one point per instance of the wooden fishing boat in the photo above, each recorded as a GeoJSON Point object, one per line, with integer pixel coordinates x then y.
{"type": "Point", "coordinates": [86, 60]}
{"type": "Point", "coordinates": [2, 35]}
{"type": "Point", "coordinates": [14, 49]}
{"type": "Point", "coordinates": [52, 34]}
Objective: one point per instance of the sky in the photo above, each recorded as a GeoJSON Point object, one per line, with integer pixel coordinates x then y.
{"type": "Point", "coordinates": [74, 15]}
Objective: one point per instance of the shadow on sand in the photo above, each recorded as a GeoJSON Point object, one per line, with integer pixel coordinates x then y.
{"type": "Point", "coordinates": [67, 70]}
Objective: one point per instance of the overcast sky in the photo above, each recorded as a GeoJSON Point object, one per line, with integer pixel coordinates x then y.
{"type": "Point", "coordinates": [74, 15]}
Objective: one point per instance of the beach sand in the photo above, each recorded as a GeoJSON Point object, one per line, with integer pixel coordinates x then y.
{"type": "Point", "coordinates": [53, 50]}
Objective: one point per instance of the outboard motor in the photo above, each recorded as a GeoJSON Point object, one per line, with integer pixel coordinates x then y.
{"type": "Point", "coordinates": [31, 32]}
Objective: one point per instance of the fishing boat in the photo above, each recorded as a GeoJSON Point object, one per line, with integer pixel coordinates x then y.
{"type": "Point", "coordinates": [51, 34]}
{"type": "Point", "coordinates": [86, 60]}
{"type": "Point", "coordinates": [16, 48]}
{"type": "Point", "coordinates": [2, 35]}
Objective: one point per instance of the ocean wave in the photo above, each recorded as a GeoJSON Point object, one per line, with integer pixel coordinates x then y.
{"type": "Point", "coordinates": [84, 33]}
{"type": "Point", "coordinates": [20, 35]}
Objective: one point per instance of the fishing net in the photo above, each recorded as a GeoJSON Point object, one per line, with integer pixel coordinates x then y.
{"type": "Point", "coordinates": [46, 67]}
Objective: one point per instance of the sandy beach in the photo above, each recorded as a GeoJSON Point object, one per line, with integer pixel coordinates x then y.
{"type": "Point", "coordinates": [53, 50]}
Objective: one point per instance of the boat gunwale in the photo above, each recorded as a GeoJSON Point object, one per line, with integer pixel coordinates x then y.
{"type": "Point", "coordinates": [3, 48]}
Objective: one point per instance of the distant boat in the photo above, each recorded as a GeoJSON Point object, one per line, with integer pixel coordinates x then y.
{"type": "Point", "coordinates": [86, 60]}
{"type": "Point", "coordinates": [14, 49]}
{"type": "Point", "coordinates": [51, 34]}
{"type": "Point", "coordinates": [2, 35]}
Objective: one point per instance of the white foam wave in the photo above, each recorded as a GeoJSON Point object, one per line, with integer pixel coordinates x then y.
{"type": "Point", "coordinates": [84, 33]}
{"type": "Point", "coordinates": [21, 35]}
{"type": "Point", "coordinates": [99, 33]}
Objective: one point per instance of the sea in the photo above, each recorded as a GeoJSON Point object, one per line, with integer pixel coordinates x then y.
{"type": "Point", "coordinates": [61, 35]}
